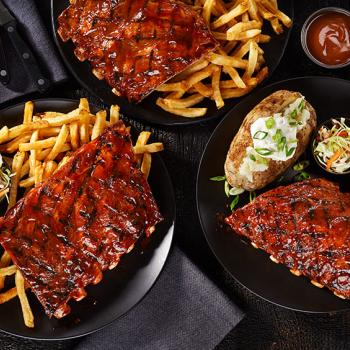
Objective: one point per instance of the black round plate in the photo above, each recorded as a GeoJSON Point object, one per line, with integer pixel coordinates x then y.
{"type": "Point", "coordinates": [147, 110]}
{"type": "Point", "coordinates": [121, 288]}
{"type": "Point", "coordinates": [251, 267]}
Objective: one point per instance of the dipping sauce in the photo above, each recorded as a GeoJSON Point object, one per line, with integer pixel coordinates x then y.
{"type": "Point", "coordinates": [328, 38]}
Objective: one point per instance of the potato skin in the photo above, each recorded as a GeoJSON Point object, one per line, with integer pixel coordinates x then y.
{"type": "Point", "coordinates": [274, 103]}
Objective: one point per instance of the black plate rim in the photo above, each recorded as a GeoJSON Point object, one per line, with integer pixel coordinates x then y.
{"type": "Point", "coordinates": [308, 77]}
{"type": "Point", "coordinates": [171, 243]}
{"type": "Point", "coordinates": [177, 121]}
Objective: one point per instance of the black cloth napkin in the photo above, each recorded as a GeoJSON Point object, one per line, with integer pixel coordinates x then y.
{"type": "Point", "coordinates": [33, 31]}
{"type": "Point", "coordinates": [183, 311]}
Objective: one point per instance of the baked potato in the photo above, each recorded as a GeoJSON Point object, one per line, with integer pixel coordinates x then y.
{"type": "Point", "coordinates": [281, 114]}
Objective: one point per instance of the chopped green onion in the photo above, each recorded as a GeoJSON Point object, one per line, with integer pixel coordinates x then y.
{"type": "Point", "coordinates": [252, 196]}
{"type": "Point", "coordinates": [302, 176]}
{"type": "Point", "coordinates": [281, 144]}
{"type": "Point", "coordinates": [292, 123]}
{"type": "Point", "coordinates": [235, 190]}
{"type": "Point", "coordinates": [263, 151]}
{"type": "Point", "coordinates": [278, 136]}
{"type": "Point", "coordinates": [234, 202]}
{"type": "Point", "coordinates": [252, 157]}
{"type": "Point", "coordinates": [294, 113]}
{"type": "Point", "coordinates": [218, 178]}
{"type": "Point", "coordinates": [270, 123]}
{"type": "Point", "coordinates": [290, 151]}
{"type": "Point", "coordinates": [301, 165]}
{"type": "Point", "coordinates": [301, 105]}
{"type": "Point", "coordinates": [260, 135]}
{"type": "Point", "coordinates": [227, 189]}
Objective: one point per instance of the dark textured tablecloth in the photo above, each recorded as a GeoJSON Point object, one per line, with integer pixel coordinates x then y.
{"type": "Point", "coordinates": [32, 30]}
{"type": "Point", "coordinates": [265, 326]}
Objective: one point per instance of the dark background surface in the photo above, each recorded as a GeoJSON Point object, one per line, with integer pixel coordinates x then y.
{"type": "Point", "coordinates": [265, 326]}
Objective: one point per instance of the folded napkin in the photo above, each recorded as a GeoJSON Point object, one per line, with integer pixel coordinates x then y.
{"type": "Point", "coordinates": [34, 33]}
{"type": "Point", "coordinates": [184, 310]}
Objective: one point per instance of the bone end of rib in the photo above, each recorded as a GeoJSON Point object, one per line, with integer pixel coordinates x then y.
{"type": "Point", "coordinates": [315, 283]}
{"type": "Point", "coordinates": [274, 259]}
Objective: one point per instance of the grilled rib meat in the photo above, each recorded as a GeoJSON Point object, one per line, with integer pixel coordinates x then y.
{"type": "Point", "coordinates": [135, 45]}
{"type": "Point", "coordinates": [78, 223]}
{"type": "Point", "coordinates": [305, 226]}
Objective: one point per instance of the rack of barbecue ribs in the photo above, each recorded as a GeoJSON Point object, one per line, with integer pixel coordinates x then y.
{"type": "Point", "coordinates": [65, 232]}
{"type": "Point", "coordinates": [135, 45]}
{"type": "Point", "coordinates": [305, 226]}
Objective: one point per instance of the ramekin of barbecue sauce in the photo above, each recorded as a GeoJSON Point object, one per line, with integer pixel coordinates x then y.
{"type": "Point", "coordinates": [325, 37]}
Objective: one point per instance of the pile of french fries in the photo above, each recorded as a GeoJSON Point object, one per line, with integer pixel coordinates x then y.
{"type": "Point", "coordinates": [41, 145]}
{"type": "Point", "coordinates": [236, 67]}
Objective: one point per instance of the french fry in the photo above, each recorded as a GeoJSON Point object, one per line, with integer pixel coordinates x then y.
{"type": "Point", "coordinates": [8, 295]}
{"type": "Point", "coordinates": [143, 138]}
{"type": "Point", "coordinates": [235, 76]}
{"type": "Point", "coordinates": [216, 88]}
{"type": "Point", "coordinates": [184, 102]}
{"type": "Point", "coordinates": [49, 169]}
{"type": "Point", "coordinates": [183, 112]}
{"type": "Point", "coordinates": [60, 141]}
{"type": "Point", "coordinates": [244, 35]}
{"type": "Point", "coordinates": [235, 92]}
{"type": "Point", "coordinates": [74, 135]}
{"type": "Point", "coordinates": [227, 17]}
{"type": "Point", "coordinates": [32, 156]}
{"type": "Point", "coordinates": [25, 168]}
{"type": "Point", "coordinates": [38, 174]}
{"type": "Point", "coordinates": [207, 9]}
{"type": "Point", "coordinates": [4, 262]}
{"type": "Point", "coordinates": [225, 60]}
{"type": "Point", "coordinates": [26, 310]}
{"type": "Point", "coordinates": [193, 68]}
{"type": "Point", "coordinates": [167, 87]}
{"type": "Point", "coordinates": [253, 10]}
{"type": "Point", "coordinates": [28, 182]}
{"type": "Point", "coordinates": [8, 271]}
{"type": "Point", "coordinates": [276, 12]}
{"type": "Point", "coordinates": [23, 128]}
{"type": "Point", "coordinates": [203, 89]}
{"type": "Point", "coordinates": [198, 76]}
{"type": "Point", "coordinates": [84, 127]}
{"type": "Point", "coordinates": [62, 162]}
{"type": "Point", "coordinates": [16, 170]}
{"type": "Point", "coordinates": [252, 61]}
{"type": "Point", "coordinates": [13, 145]}
{"type": "Point", "coordinates": [99, 124]}
{"type": "Point", "coordinates": [176, 94]}
{"type": "Point", "coordinates": [84, 104]}
{"type": "Point", "coordinates": [63, 119]}
{"type": "Point", "coordinates": [48, 132]}
{"type": "Point", "coordinates": [150, 148]}
{"type": "Point", "coordinates": [28, 112]}
{"type": "Point", "coordinates": [276, 26]}
{"type": "Point", "coordinates": [114, 114]}
{"type": "Point", "coordinates": [4, 132]}
{"type": "Point", "coordinates": [146, 164]}
{"type": "Point", "coordinates": [37, 145]}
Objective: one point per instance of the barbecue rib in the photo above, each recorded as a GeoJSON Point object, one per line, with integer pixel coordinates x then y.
{"type": "Point", "coordinates": [135, 45]}
{"type": "Point", "coordinates": [78, 223]}
{"type": "Point", "coordinates": [305, 226]}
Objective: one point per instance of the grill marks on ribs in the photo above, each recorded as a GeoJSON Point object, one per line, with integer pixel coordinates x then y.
{"type": "Point", "coordinates": [135, 45]}
{"type": "Point", "coordinates": [305, 226]}
{"type": "Point", "coordinates": [66, 231]}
